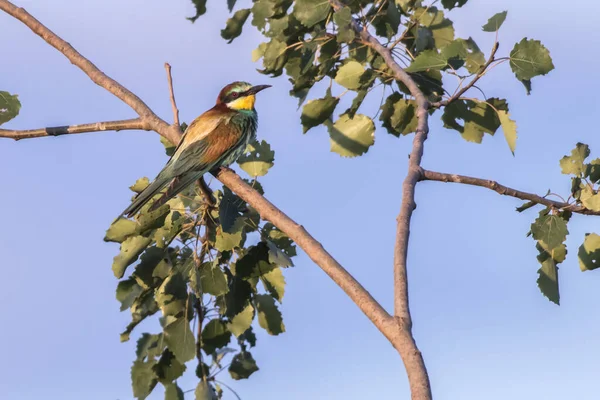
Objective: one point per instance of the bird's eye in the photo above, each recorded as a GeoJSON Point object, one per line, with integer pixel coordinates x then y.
{"type": "Point", "coordinates": [234, 94]}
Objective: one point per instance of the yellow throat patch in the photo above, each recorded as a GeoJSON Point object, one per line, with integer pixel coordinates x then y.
{"type": "Point", "coordinates": [244, 103]}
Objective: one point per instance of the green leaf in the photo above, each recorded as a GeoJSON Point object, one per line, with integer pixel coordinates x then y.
{"type": "Point", "coordinates": [281, 240]}
{"type": "Point", "coordinates": [315, 112]}
{"type": "Point", "coordinates": [262, 10]}
{"type": "Point", "coordinates": [529, 58]}
{"type": "Point", "coordinates": [274, 283]}
{"type": "Point", "coordinates": [143, 379]}
{"type": "Point", "coordinates": [172, 295]}
{"type": "Point", "coordinates": [311, 12]}
{"type": "Point", "coordinates": [120, 230]}
{"type": "Point", "coordinates": [509, 127]}
{"type": "Point", "coordinates": [9, 106]}
{"type": "Point", "coordinates": [272, 58]}
{"type": "Point", "coordinates": [231, 4]}
{"type": "Point", "coordinates": [140, 184]}
{"type": "Point", "coordinates": [254, 263]}
{"type": "Point", "coordinates": [127, 291]}
{"type": "Point", "coordinates": [142, 307]}
{"type": "Point", "coordinates": [548, 281]}
{"type": "Point", "coordinates": [527, 84]}
{"type": "Point", "coordinates": [269, 316]}
{"type": "Point", "coordinates": [589, 252]}
{"type": "Point", "coordinates": [200, 9]}
{"type": "Point", "coordinates": [574, 164]}
{"type": "Point", "coordinates": [277, 256]}
{"type": "Point", "coordinates": [144, 271]}
{"type": "Point", "coordinates": [441, 28]}
{"type": "Point", "coordinates": [357, 102]}
{"type": "Point", "coordinates": [551, 229]}
{"type": "Point", "coordinates": [131, 248]}
{"type": "Point", "coordinates": [173, 392]}
{"type": "Point", "coordinates": [148, 220]}
{"type": "Point", "coordinates": [212, 279]}
{"type": "Point", "coordinates": [526, 206]}
{"type": "Point", "coordinates": [242, 321]}
{"type": "Point", "coordinates": [215, 336]}
{"type": "Point", "coordinates": [230, 209]}
{"type": "Point", "coordinates": [592, 170]}
{"type": "Point", "coordinates": [590, 198]}
{"type": "Point", "coordinates": [168, 368]}
{"type": "Point", "coordinates": [349, 75]}
{"type": "Point", "coordinates": [450, 4]}
{"type": "Point", "coordinates": [495, 22]}
{"type": "Point", "coordinates": [180, 340]}
{"type": "Point", "coordinates": [404, 119]}
{"type": "Point", "coordinates": [234, 25]}
{"type": "Point", "coordinates": [352, 137]}
{"type": "Point", "coordinates": [476, 59]}
{"type": "Point", "coordinates": [387, 110]}
{"type": "Point", "coordinates": [204, 391]}
{"type": "Point", "coordinates": [342, 19]}
{"type": "Point", "coordinates": [479, 117]}
{"type": "Point", "coordinates": [456, 52]}
{"type": "Point", "coordinates": [258, 158]}
{"type": "Point", "coordinates": [426, 60]}
{"type": "Point", "coordinates": [150, 346]}
{"type": "Point", "coordinates": [242, 366]}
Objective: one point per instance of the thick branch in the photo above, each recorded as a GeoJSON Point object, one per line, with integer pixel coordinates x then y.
{"type": "Point", "coordinates": [411, 356]}
{"type": "Point", "coordinates": [126, 124]}
{"type": "Point", "coordinates": [152, 121]}
{"type": "Point", "coordinates": [269, 212]}
{"type": "Point", "coordinates": [504, 190]}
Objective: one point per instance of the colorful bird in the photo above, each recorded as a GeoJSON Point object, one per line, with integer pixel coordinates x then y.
{"type": "Point", "coordinates": [215, 139]}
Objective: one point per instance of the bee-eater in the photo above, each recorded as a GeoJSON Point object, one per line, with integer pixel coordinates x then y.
{"type": "Point", "coordinates": [215, 139]}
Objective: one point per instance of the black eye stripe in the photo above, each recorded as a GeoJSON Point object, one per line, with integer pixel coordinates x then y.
{"type": "Point", "coordinates": [235, 95]}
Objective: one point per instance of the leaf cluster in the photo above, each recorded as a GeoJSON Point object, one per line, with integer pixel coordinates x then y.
{"type": "Point", "coordinates": [209, 270]}
{"type": "Point", "coordinates": [550, 227]}
{"type": "Point", "coordinates": [310, 42]}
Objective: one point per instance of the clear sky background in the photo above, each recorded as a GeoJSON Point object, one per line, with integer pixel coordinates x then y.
{"type": "Point", "coordinates": [485, 330]}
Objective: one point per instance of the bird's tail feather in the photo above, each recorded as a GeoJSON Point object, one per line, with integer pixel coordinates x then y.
{"type": "Point", "coordinates": [176, 186]}
{"type": "Point", "coordinates": [144, 197]}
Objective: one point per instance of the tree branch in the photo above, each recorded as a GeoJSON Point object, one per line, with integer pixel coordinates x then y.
{"type": "Point", "coordinates": [172, 96]}
{"type": "Point", "coordinates": [126, 124]}
{"type": "Point", "coordinates": [480, 74]}
{"type": "Point", "coordinates": [269, 212]}
{"type": "Point", "coordinates": [404, 342]}
{"type": "Point", "coordinates": [151, 120]}
{"type": "Point", "coordinates": [504, 190]}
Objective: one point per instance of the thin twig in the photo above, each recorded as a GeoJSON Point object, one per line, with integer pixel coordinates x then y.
{"type": "Point", "coordinates": [122, 125]}
{"type": "Point", "coordinates": [172, 96]}
{"type": "Point", "coordinates": [482, 71]}
{"type": "Point", "coordinates": [427, 175]}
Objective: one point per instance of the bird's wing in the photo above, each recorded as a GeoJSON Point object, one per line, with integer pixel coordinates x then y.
{"type": "Point", "coordinates": [200, 127]}
{"type": "Point", "coordinates": [203, 150]}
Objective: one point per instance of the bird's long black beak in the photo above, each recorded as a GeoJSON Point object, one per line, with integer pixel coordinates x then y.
{"type": "Point", "coordinates": [257, 88]}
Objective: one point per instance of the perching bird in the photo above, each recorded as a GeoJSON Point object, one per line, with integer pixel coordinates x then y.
{"type": "Point", "coordinates": [215, 139]}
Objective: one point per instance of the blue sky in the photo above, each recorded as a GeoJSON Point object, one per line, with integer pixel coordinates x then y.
{"type": "Point", "coordinates": [484, 329]}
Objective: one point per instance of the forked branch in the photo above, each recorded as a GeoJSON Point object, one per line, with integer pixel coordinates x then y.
{"type": "Point", "coordinates": [404, 341]}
